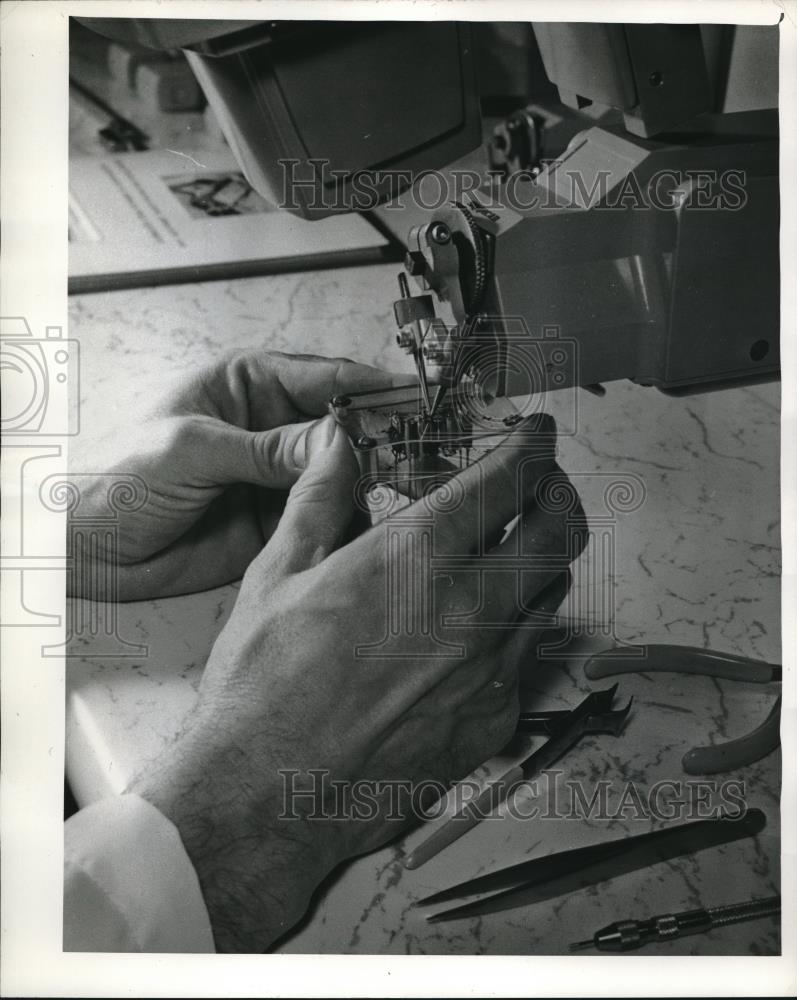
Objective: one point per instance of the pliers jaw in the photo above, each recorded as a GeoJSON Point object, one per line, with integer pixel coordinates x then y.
{"type": "Point", "coordinates": [545, 723]}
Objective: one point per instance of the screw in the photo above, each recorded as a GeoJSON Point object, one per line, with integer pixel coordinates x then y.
{"type": "Point", "coordinates": [405, 340]}
{"type": "Point", "coordinates": [656, 79]}
{"type": "Point", "coordinates": [440, 233]}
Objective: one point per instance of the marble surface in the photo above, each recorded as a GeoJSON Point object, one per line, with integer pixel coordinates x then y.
{"type": "Point", "coordinates": [696, 562]}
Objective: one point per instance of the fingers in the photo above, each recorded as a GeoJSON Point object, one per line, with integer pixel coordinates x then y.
{"type": "Point", "coordinates": [472, 510]}
{"type": "Point", "coordinates": [480, 697]}
{"type": "Point", "coordinates": [310, 381]}
{"type": "Point", "coordinates": [222, 454]}
{"type": "Point", "coordinates": [319, 507]}
{"type": "Point", "coordinates": [476, 598]}
{"type": "Point", "coordinates": [507, 582]}
{"type": "Point", "coordinates": [550, 535]}
{"type": "Point", "coordinates": [521, 643]}
{"type": "Point", "coordinates": [489, 682]}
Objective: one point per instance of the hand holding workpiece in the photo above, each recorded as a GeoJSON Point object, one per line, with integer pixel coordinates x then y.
{"type": "Point", "coordinates": [291, 687]}
{"type": "Point", "coordinates": [215, 459]}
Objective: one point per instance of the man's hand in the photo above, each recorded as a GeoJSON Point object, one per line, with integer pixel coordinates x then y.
{"type": "Point", "coordinates": [290, 686]}
{"type": "Point", "coordinates": [216, 460]}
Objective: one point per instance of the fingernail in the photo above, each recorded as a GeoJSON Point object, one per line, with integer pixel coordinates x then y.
{"type": "Point", "coordinates": [320, 437]}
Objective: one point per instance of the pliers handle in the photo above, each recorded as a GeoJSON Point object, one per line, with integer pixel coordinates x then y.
{"type": "Point", "coordinates": [692, 660]}
{"type": "Point", "coordinates": [739, 752]}
{"type": "Point", "coordinates": [682, 660]}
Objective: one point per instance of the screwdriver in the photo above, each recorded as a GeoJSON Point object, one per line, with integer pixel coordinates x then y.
{"type": "Point", "coordinates": [627, 935]}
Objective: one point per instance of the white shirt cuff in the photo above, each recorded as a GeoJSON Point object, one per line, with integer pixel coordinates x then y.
{"type": "Point", "coordinates": [129, 885]}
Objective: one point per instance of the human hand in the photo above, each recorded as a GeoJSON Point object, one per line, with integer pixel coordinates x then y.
{"type": "Point", "coordinates": [290, 686]}
{"type": "Point", "coordinates": [215, 460]}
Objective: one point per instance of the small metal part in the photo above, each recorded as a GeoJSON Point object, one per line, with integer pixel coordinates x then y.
{"type": "Point", "coordinates": [432, 353]}
{"type": "Point", "coordinates": [411, 311]}
{"type": "Point", "coordinates": [516, 145]}
{"type": "Point", "coordinates": [473, 271]}
{"type": "Point", "coordinates": [402, 443]}
{"type": "Point", "coordinates": [421, 368]}
{"type": "Point", "coordinates": [438, 399]}
{"type": "Point", "coordinates": [453, 248]}
{"type": "Point", "coordinates": [414, 309]}
{"type": "Point", "coordinates": [405, 340]}
{"type": "Point", "coordinates": [414, 263]}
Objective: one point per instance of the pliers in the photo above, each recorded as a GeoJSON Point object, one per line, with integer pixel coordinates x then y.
{"type": "Point", "coordinates": [692, 660]}
{"type": "Point", "coordinates": [594, 714]}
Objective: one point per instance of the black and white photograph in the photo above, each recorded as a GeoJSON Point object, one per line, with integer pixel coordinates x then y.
{"type": "Point", "coordinates": [397, 496]}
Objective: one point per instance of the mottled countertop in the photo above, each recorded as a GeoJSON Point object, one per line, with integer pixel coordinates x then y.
{"type": "Point", "coordinates": [696, 541]}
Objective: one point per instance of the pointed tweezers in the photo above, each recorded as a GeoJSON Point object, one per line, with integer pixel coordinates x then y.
{"type": "Point", "coordinates": [557, 874]}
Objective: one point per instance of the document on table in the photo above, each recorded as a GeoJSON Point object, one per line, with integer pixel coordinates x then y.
{"type": "Point", "coordinates": [163, 217]}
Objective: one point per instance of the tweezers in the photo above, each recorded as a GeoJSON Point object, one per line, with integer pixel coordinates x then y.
{"type": "Point", "coordinates": [568, 871]}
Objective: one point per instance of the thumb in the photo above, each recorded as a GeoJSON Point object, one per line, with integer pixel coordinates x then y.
{"type": "Point", "coordinates": [273, 458]}
{"type": "Point", "coordinates": [320, 505]}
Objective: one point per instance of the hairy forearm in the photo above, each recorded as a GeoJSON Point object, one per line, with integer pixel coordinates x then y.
{"type": "Point", "coordinates": [257, 872]}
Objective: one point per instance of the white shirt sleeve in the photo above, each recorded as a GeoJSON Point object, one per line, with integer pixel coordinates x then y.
{"type": "Point", "coordinates": [129, 884]}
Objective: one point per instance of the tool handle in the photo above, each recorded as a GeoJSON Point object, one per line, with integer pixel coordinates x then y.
{"type": "Point", "coordinates": [471, 814]}
{"type": "Point", "coordinates": [630, 935]}
{"type": "Point", "coordinates": [719, 757]}
{"type": "Point", "coordinates": [683, 660]}
{"type": "Point", "coordinates": [567, 730]}
{"type": "Point", "coordinates": [674, 925]}
{"type": "Point", "coordinates": [753, 909]}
